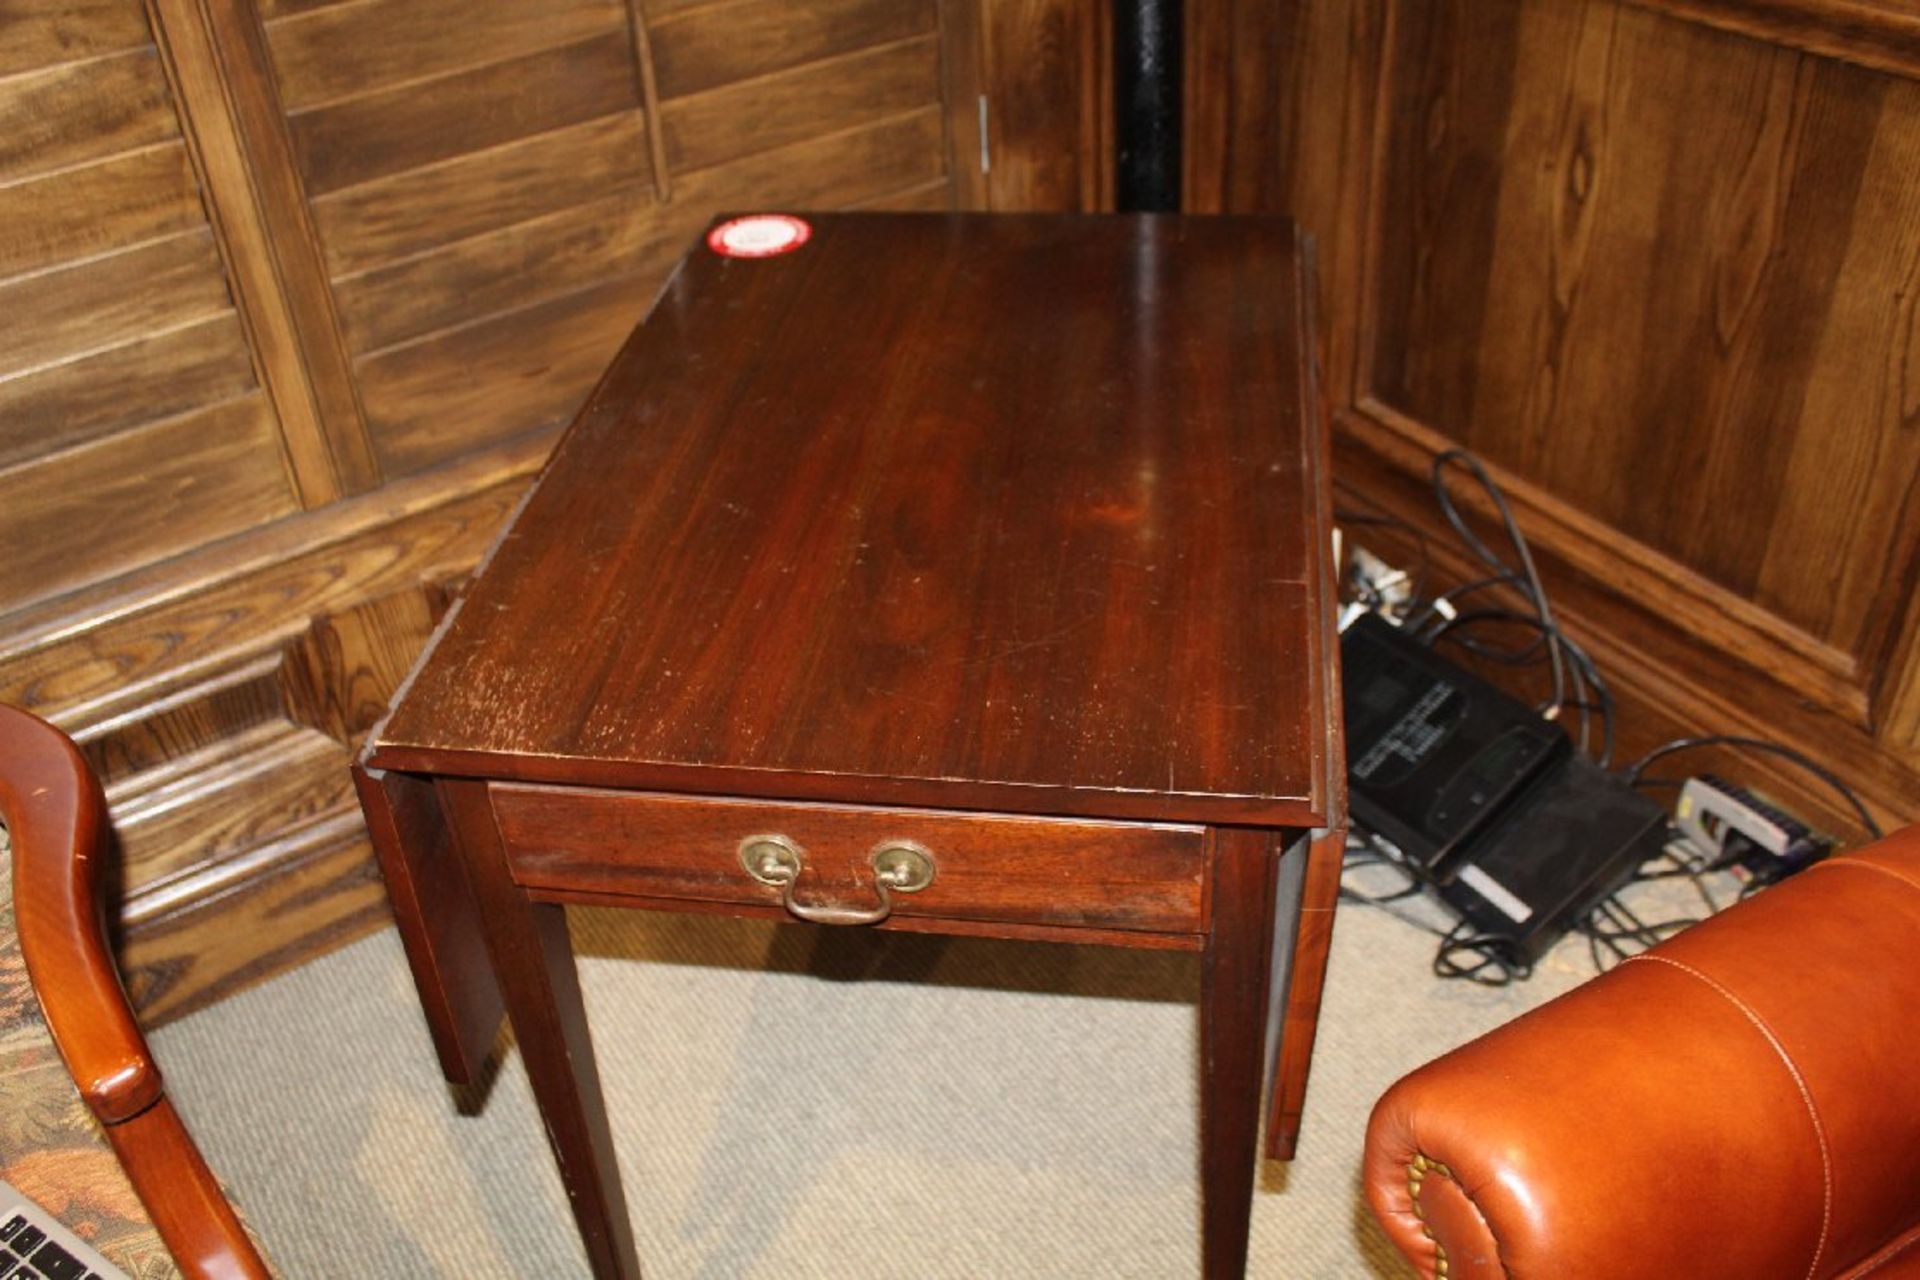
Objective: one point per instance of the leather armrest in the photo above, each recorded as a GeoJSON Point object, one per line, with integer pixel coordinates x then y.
{"type": "Point", "coordinates": [1742, 1100]}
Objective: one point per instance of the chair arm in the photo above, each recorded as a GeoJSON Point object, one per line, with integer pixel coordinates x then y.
{"type": "Point", "coordinates": [56, 818]}
{"type": "Point", "coordinates": [1741, 1100]}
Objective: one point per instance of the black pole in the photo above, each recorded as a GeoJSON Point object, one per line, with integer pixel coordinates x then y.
{"type": "Point", "coordinates": [1146, 105]}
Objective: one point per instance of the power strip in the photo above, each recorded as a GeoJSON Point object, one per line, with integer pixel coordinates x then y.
{"type": "Point", "coordinates": [1735, 827]}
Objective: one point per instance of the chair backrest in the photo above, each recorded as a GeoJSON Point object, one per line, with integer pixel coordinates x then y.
{"type": "Point", "coordinates": [56, 818]}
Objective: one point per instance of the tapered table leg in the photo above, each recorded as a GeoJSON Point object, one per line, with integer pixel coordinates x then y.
{"type": "Point", "coordinates": [1233, 1022]}
{"type": "Point", "coordinates": [533, 957]}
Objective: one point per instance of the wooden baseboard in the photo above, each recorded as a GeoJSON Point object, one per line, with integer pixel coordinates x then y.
{"type": "Point", "coordinates": [247, 919]}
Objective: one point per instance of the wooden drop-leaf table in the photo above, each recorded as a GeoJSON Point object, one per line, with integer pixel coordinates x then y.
{"type": "Point", "coordinates": [960, 573]}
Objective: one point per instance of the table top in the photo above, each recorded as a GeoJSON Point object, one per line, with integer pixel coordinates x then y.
{"type": "Point", "coordinates": [1025, 513]}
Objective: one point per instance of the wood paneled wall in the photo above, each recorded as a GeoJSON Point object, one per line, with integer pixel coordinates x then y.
{"type": "Point", "coordinates": [126, 382]}
{"type": "Point", "coordinates": [294, 295]}
{"type": "Point", "coordinates": [1657, 262]}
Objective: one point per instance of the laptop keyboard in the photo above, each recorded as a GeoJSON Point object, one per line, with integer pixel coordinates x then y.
{"type": "Point", "coordinates": [33, 1246]}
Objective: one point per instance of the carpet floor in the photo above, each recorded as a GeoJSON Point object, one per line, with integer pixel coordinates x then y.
{"type": "Point", "coordinates": [797, 1102]}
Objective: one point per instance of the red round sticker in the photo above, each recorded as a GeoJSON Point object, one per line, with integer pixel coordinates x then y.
{"type": "Point", "coordinates": [760, 235]}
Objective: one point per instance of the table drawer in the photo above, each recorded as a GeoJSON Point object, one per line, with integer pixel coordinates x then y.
{"type": "Point", "coordinates": [993, 868]}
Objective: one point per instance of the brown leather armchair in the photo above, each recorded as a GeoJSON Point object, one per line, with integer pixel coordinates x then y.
{"type": "Point", "coordinates": [1741, 1101]}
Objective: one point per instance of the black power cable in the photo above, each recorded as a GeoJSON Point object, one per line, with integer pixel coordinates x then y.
{"type": "Point", "coordinates": [1528, 575]}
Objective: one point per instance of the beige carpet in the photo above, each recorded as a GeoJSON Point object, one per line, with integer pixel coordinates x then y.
{"type": "Point", "coordinates": [792, 1102]}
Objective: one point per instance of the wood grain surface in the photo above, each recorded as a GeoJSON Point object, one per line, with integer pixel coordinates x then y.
{"type": "Point", "coordinates": [1234, 976]}
{"type": "Point", "coordinates": [438, 921]}
{"type": "Point", "coordinates": [706, 129]}
{"type": "Point", "coordinates": [266, 267]}
{"type": "Point", "coordinates": [1047, 78]}
{"type": "Point", "coordinates": [695, 52]}
{"type": "Point", "coordinates": [1102, 875]}
{"type": "Point", "coordinates": [129, 198]}
{"type": "Point", "coordinates": [178, 483]}
{"type": "Point", "coordinates": [1692, 276]}
{"type": "Point", "coordinates": [1677, 326]}
{"type": "Point", "coordinates": [963, 552]}
{"type": "Point", "coordinates": [1651, 259]}
{"type": "Point", "coordinates": [418, 122]}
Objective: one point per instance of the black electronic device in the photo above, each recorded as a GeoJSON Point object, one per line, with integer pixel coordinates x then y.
{"type": "Point", "coordinates": [1547, 860]}
{"type": "Point", "coordinates": [1434, 753]}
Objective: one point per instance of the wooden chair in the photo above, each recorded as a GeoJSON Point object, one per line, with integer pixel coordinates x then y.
{"type": "Point", "coordinates": [56, 818]}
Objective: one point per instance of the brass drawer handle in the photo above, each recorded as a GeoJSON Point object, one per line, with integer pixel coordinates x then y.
{"type": "Point", "coordinates": [899, 866]}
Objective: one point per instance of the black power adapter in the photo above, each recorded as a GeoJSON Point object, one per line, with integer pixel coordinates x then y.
{"type": "Point", "coordinates": [1480, 797]}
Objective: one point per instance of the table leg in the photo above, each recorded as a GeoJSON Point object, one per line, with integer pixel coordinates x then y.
{"type": "Point", "coordinates": [1233, 1018]}
{"type": "Point", "coordinates": [1312, 941]}
{"type": "Point", "coordinates": [533, 958]}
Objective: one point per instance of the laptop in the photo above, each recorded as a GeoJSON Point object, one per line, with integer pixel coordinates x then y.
{"type": "Point", "coordinates": [34, 1245]}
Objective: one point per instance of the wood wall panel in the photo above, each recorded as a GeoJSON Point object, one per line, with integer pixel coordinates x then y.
{"type": "Point", "coordinates": [494, 222]}
{"type": "Point", "coordinates": [1654, 260]}
{"type": "Point", "coordinates": [1055, 62]}
{"type": "Point", "coordinates": [197, 694]}
{"type": "Point", "coordinates": [695, 51]}
{"type": "Point", "coordinates": [850, 167]}
{"type": "Point", "coordinates": [666, 8]}
{"type": "Point", "coordinates": [172, 626]}
{"type": "Point", "coordinates": [78, 213]}
{"type": "Point", "coordinates": [348, 50]}
{"type": "Point", "coordinates": [932, 197]}
{"type": "Point", "coordinates": [171, 745]}
{"type": "Point", "coordinates": [243, 920]}
{"type": "Point", "coordinates": [170, 485]}
{"type": "Point", "coordinates": [493, 379]}
{"type": "Point", "coordinates": [216, 65]}
{"type": "Point", "coordinates": [756, 115]}
{"type": "Point", "coordinates": [273, 778]}
{"type": "Point", "coordinates": [97, 392]}
{"type": "Point", "coordinates": [132, 426]}
{"type": "Point", "coordinates": [107, 302]}
{"type": "Point", "coordinates": [35, 35]}
{"type": "Point", "coordinates": [1616, 264]}
{"type": "Point", "coordinates": [358, 139]}
{"type": "Point", "coordinates": [1845, 532]}
{"type": "Point", "coordinates": [379, 221]}
{"type": "Point", "coordinates": [1882, 34]}
{"type": "Point", "coordinates": [75, 112]}
{"type": "Point", "coordinates": [498, 271]}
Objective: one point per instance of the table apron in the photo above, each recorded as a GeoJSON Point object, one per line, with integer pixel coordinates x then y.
{"type": "Point", "coordinates": [569, 843]}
